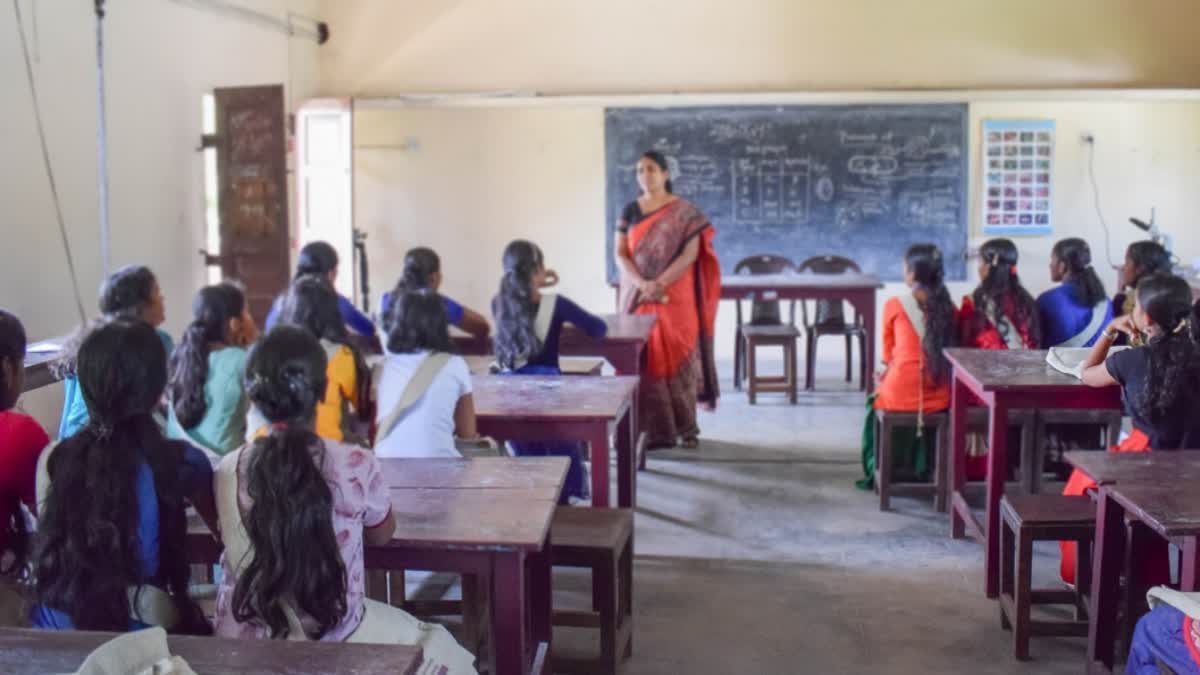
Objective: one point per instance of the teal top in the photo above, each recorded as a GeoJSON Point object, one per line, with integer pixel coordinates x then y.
{"type": "Point", "coordinates": [75, 412]}
{"type": "Point", "coordinates": [223, 427]}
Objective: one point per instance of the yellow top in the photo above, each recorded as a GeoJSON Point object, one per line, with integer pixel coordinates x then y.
{"type": "Point", "coordinates": [342, 389]}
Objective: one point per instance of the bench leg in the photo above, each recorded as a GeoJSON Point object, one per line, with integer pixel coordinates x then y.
{"type": "Point", "coordinates": [752, 371]}
{"type": "Point", "coordinates": [1023, 591]}
{"type": "Point", "coordinates": [810, 355]}
{"type": "Point", "coordinates": [941, 495]}
{"type": "Point", "coordinates": [883, 465]}
{"type": "Point", "coordinates": [1083, 577]}
{"type": "Point", "coordinates": [793, 376]}
{"type": "Point", "coordinates": [625, 581]}
{"type": "Point", "coordinates": [738, 354]}
{"type": "Point", "coordinates": [1007, 553]}
{"type": "Point", "coordinates": [604, 584]}
{"type": "Point", "coordinates": [849, 361]}
{"type": "Point", "coordinates": [1031, 465]}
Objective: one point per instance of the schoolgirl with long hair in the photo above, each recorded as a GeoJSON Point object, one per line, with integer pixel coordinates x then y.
{"type": "Point", "coordinates": [1074, 313]}
{"type": "Point", "coordinates": [1000, 314]}
{"type": "Point", "coordinates": [423, 272]}
{"type": "Point", "coordinates": [320, 259]}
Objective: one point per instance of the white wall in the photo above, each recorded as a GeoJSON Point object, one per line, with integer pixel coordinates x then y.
{"type": "Point", "coordinates": [467, 180]}
{"type": "Point", "coordinates": [160, 57]}
{"type": "Point", "coordinates": [385, 47]}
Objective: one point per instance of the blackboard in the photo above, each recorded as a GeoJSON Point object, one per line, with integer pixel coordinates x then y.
{"type": "Point", "coordinates": [862, 181]}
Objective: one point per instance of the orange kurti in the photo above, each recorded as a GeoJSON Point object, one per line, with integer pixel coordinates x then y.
{"type": "Point", "coordinates": [906, 386]}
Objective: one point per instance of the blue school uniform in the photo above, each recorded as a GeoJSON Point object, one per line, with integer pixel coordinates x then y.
{"type": "Point", "coordinates": [545, 362]}
{"type": "Point", "coordinates": [194, 473]}
{"type": "Point", "coordinates": [1063, 317]}
{"type": "Point", "coordinates": [355, 320]}
{"type": "Point", "coordinates": [454, 311]}
{"type": "Point", "coordinates": [1160, 639]}
{"type": "Point", "coordinates": [75, 412]}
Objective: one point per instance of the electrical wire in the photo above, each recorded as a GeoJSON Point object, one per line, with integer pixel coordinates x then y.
{"type": "Point", "coordinates": [1096, 202]}
{"type": "Point", "coordinates": [37, 113]}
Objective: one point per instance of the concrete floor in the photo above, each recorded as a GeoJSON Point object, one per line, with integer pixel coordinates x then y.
{"type": "Point", "coordinates": [756, 554]}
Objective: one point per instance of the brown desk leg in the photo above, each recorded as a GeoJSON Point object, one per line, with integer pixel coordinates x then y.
{"type": "Point", "coordinates": [509, 617]}
{"type": "Point", "coordinates": [996, 477]}
{"type": "Point", "coordinates": [1106, 576]}
{"type": "Point", "coordinates": [626, 462]}
{"type": "Point", "coordinates": [598, 439]}
{"type": "Point", "coordinates": [864, 301]}
{"type": "Point", "coordinates": [959, 397]}
{"type": "Point", "coordinates": [540, 593]}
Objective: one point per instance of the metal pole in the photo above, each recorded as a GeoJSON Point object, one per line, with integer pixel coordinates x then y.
{"type": "Point", "coordinates": [102, 142]}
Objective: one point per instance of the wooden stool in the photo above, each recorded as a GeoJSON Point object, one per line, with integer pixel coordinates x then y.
{"type": "Point", "coordinates": [1025, 519]}
{"type": "Point", "coordinates": [601, 540]}
{"type": "Point", "coordinates": [1108, 420]}
{"type": "Point", "coordinates": [885, 422]}
{"type": "Point", "coordinates": [786, 336]}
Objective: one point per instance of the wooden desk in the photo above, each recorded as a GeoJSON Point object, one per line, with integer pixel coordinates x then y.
{"type": "Point", "coordinates": [570, 365]}
{"type": "Point", "coordinates": [485, 517]}
{"type": "Point", "coordinates": [1003, 380]}
{"type": "Point", "coordinates": [1136, 467]}
{"type": "Point", "coordinates": [566, 408]}
{"type": "Point", "coordinates": [36, 652]}
{"type": "Point", "coordinates": [623, 345]}
{"type": "Point", "coordinates": [1169, 508]}
{"type": "Point", "coordinates": [859, 290]}
{"type": "Point", "coordinates": [39, 371]}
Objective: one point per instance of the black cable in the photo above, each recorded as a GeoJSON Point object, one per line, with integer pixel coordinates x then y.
{"type": "Point", "coordinates": [1096, 202]}
{"type": "Point", "coordinates": [37, 113]}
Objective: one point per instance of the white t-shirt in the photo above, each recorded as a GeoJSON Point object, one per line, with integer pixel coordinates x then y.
{"type": "Point", "coordinates": [427, 429]}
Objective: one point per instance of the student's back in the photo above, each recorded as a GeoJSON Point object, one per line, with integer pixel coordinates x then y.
{"type": "Point", "coordinates": [423, 398]}
{"type": "Point", "coordinates": [1074, 313]}
{"type": "Point", "coordinates": [1000, 314]}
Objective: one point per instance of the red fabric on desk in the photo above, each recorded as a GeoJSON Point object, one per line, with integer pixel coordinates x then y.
{"type": "Point", "coordinates": [1155, 564]}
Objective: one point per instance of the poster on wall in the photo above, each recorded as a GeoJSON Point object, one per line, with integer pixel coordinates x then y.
{"type": "Point", "coordinates": [1018, 165]}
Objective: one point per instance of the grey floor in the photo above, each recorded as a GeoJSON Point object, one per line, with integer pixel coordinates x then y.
{"type": "Point", "coordinates": [756, 554]}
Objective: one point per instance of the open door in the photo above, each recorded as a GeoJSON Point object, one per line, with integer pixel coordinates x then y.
{"type": "Point", "coordinates": [324, 184]}
{"type": "Point", "coordinates": [251, 144]}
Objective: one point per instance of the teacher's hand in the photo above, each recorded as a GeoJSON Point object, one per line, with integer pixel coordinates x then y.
{"type": "Point", "coordinates": [651, 289]}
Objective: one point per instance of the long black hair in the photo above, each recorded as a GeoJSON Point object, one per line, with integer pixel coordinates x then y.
{"type": "Point", "coordinates": [87, 551]}
{"type": "Point", "coordinates": [1001, 289]}
{"type": "Point", "coordinates": [12, 360]}
{"type": "Point", "coordinates": [212, 309]}
{"type": "Point", "coordinates": [1148, 258]}
{"type": "Point", "coordinates": [420, 264]}
{"type": "Point", "coordinates": [289, 524]}
{"type": "Point", "coordinates": [516, 340]}
{"type": "Point", "coordinates": [1081, 278]}
{"type": "Point", "coordinates": [928, 270]}
{"type": "Point", "coordinates": [417, 322]}
{"type": "Point", "coordinates": [1173, 374]}
{"type": "Point", "coordinates": [661, 160]}
{"type": "Point", "coordinates": [124, 294]}
{"type": "Point", "coordinates": [312, 304]}
{"type": "Point", "coordinates": [318, 257]}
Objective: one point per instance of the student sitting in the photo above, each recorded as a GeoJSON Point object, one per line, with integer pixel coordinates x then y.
{"type": "Point", "coordinates": [312, 304]}
{"type": "Point", "coordinates": [1000, 314]}
{"type": "Point", "coordinates": [1074, 313]}
{"type": "Point", "coordinates": [1158, 383]}
{"type": "Point", "coordinates": [110, 552]}
{"type": "Point", "coordinates": [129, 293]}
{"type": "Point", "coordinates": [423, 271]}
{"type": "Point", "coordinates": [21, 442]}
{"type": "Point", "coordinates": [319, 259]}
{"type": "Point", "coordinates": [424, 392]}
{"type": "Point", "coordinates": [1167, 638]}
{"type": "Point", "coordinates": [207, 402]}
{"type": "Point", "coordinates": [295, 511]}
{"type": "Point", "coordinates": [917, 326]}
{"type": "Point", "coordinates": [1142, 258]}
{"type": "Point", "coordinates": [528, 325]}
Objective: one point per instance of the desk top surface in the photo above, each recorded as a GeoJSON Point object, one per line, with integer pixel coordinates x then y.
{"type": "Point", "coordinates": [561, 398]}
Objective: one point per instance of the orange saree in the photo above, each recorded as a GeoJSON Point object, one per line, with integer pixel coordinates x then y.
{"type": "Point", "coordinates": [681, 372]}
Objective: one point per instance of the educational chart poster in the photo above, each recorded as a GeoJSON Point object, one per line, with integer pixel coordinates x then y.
{"type": "Point", "coordinates": [1018, 162]}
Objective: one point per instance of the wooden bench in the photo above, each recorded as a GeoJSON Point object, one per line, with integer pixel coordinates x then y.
{"type": "Point", "coordinates": [602, 541]}
{"type": "Point", "coordinates": [1025, 519]}
{"type": "Point", "coordinates": [1108, 420]}
{"type": "Point", "coordinates": [886, 421]}
{"type": "Point", "coordinates": [37, 652]}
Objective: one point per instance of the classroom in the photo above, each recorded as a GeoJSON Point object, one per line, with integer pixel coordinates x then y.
{"type": "Point", "coordinates": [457, 336]}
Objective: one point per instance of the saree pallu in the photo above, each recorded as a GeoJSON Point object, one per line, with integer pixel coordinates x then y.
{"type": "Point", "coordinates": [681, 371]}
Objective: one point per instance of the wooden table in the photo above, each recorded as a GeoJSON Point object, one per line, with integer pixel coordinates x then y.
{"type": "Point", "coordinates": [489, 518]}
{"type": "Point", "coordinates": [570, 365]}
{"type": "Point", "coordinates": [1136, 467]}
{"type": "Point", "coordinates": [37, 652]}
{"type": "Point", "coordinates": [859, 290]}
{"type": "Point", "coordinates": [1002, 380]}
{"type": "Point", "coordinates": [39, 371]}
{"type": "Point", "coordinates": [1169, 508]}
{"type": "Point", "coordinates": [566, 408]}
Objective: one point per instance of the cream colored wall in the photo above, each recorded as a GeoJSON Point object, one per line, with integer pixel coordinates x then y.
{"type": "Point", "coordinates": [384, 47]}
{"type": "Point", "coordinates": [467, 180]}
{"type": "Point", "coordinates": [160, 58]}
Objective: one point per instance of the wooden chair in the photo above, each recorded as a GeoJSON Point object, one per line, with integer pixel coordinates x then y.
{"type": "Point", "coordinates": [1025, 519]}
{"type": "Point", "coordinates": [765, 329]}
{"type": "Point", "coordinates": [601, 540]}
{"type": "Point", "coordinates": [829, 319]}
{"type": "Point", "coordinates": [885, 423]}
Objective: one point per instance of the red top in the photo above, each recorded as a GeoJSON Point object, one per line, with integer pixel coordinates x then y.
{"type": "Point", "coordinates": [21, 442]}
{"type": "Point", "coordinates": [984, 334]}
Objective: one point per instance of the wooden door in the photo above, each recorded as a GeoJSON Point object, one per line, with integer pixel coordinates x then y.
{"type": "Point", "coordinates": [251, 142]}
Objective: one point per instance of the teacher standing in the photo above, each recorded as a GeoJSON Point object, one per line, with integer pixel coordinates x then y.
{"type": "Point", "coordinates": [669, 269]}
